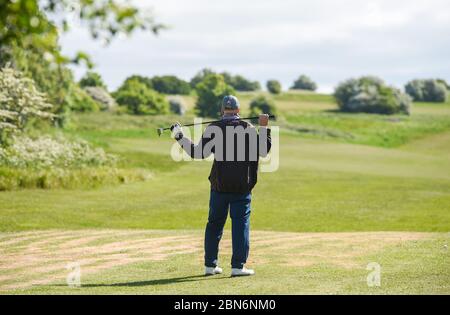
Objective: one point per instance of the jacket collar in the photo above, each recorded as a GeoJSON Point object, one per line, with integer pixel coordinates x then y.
{"type": "Point", "coordinates": [230, 116]}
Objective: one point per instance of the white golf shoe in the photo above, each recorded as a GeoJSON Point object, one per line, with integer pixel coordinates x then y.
{"type": "Point", "coordinates": [236, 272]}
{"type": "Point", "coordinates": [209, 271]}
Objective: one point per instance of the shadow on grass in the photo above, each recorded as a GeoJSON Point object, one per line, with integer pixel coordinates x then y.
{"type": "Point", "coordinates": [153, 282]}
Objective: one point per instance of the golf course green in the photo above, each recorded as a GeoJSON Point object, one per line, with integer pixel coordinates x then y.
{"type": "Point", "coordinates": [351, 189]}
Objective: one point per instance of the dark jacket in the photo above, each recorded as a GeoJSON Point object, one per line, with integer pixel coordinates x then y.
{"type": "Point", "coordinates": [238, 173]}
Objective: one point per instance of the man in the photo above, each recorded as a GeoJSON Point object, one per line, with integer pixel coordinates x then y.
{"type": "Point", "coordinates": [236, 146]}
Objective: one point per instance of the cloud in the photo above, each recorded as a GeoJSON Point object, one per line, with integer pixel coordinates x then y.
{"type": "Point", "coordinates": [328, 40]}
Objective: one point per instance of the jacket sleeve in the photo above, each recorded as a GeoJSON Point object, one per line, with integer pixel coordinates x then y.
{"type": "Point", "coordinates": [264, 141]}
{"type": "Point", "coordinates": [196, 151]}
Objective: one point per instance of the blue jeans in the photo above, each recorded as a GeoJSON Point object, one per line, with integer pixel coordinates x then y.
{"type": "Point", "coordinates": [239, 205]}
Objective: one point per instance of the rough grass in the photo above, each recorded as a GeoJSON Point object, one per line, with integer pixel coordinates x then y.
{"type": "Point", "coordinates": [370, 129]}
{"type": "Point", "coordinates": [70, 178]}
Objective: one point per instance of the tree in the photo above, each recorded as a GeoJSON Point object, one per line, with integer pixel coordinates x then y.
{"type": "Point", "coordinates": [228, 77]}
{"type": "Point", "coordinates": [239, 83]}
{"type": "Point", "coordinates": [304, 83]}
{"type": "Point", "coordinates": [243, 84]}
{"type": "Point", "coordinates": [92, 79]}
{"type": "Point", "coordinates": [138, 99]}
{"type": "Point", "coordinates": [273, 86]}
{"type": "Point", "coordinates": [200, 76]}
{"type": "Point", "coordinates": [211, 90]}
{"type": "Point", "coordinates": [105, 19]}
{"type": "Point", "coordinates": [139, 78]}
{"type": "Point", "coordinates": [170, 84]}
{"type": "Point", "coordinates": [53, 79]}
{"type": "Point", "coordinates": [371, 95]}
{"type": "Point", "coordinates": [262, 105]}
{"type": "Point", "coordinates": [20, 101]}
{"type": "Point", "coordinates": [427, 90]}
{"type": "Point", "coordinates": [29, 40]}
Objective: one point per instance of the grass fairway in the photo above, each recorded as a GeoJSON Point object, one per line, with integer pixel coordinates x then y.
{"type": "Point", "coordinates": [351, 189]}
{"type": "Point", "coordinates": [167, 262]}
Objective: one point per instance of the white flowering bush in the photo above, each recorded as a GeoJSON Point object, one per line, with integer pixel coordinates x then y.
{"type": "Point", "coordinates": [371, 95]}
{"type": "Point", "coordinates": [19, 102]}
{"type": "Point", "coordinates": [49, 163]}
{"type": "Point", "coordinates": [427, 90]}
{"type": "Point", "coordinates": [45, 152]}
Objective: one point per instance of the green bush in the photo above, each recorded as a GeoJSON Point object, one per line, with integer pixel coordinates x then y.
{"type": "Point", "coordinates": [304, 83]}
{"type": "Point", "coordinates": [262, 105]}
{"type": "Point", "coordinates": [273, 86]}
{"type": "Point", "coordinates": [211, 90]}
{"type": "Point", "coordinates": [170, 84]}
{"type": "Point", "coordinates": [80, 101]}
{"type": "Point", "coordinates": [427, 90]}
{"type": "Point", "coordinates": [371, 95]}
{"type": "Point", "coordinates": [139, 78]}
{"type": "Point", "coordinates": [92, 79]}
{"type": "Point", "coordinates": [138, 99]}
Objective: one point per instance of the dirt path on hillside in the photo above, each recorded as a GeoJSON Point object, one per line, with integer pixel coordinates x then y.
{"type": "Point", "coordinates": [38, 258]}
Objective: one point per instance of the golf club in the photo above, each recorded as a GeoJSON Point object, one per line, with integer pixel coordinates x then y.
{"type": "Point", "coordinates": [161, 130]}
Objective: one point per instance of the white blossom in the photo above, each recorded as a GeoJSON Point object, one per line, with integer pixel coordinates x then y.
{"type": "Point", "coordinates": [19, 101]}
{"type": "Point", "coordinates": [46, 152]}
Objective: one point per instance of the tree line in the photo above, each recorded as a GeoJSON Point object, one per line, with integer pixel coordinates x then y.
{"type": "Point", "coordinates": [370, 94]}
{"type": "Point", "coordinates": [142, 95]}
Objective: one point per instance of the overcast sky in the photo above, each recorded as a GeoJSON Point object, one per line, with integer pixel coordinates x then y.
{"type": "Point", "coordinates": [328, 40]}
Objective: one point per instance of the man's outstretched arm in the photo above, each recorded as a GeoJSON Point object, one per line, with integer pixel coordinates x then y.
{"type": "Point", "coordinates": [195, 151]}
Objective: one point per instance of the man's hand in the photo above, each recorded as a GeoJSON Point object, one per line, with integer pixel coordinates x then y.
{"type": "Point", "coordinates": [177, 133]}
{"type": "Point", "coordinates": [263, 120]}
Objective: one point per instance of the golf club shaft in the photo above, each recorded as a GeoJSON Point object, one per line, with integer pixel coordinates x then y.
{"type": "Point", "coordinates": [213, 121]}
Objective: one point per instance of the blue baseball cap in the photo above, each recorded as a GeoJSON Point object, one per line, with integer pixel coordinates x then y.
{"type": "Point", "coordinates": [230, 102]}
